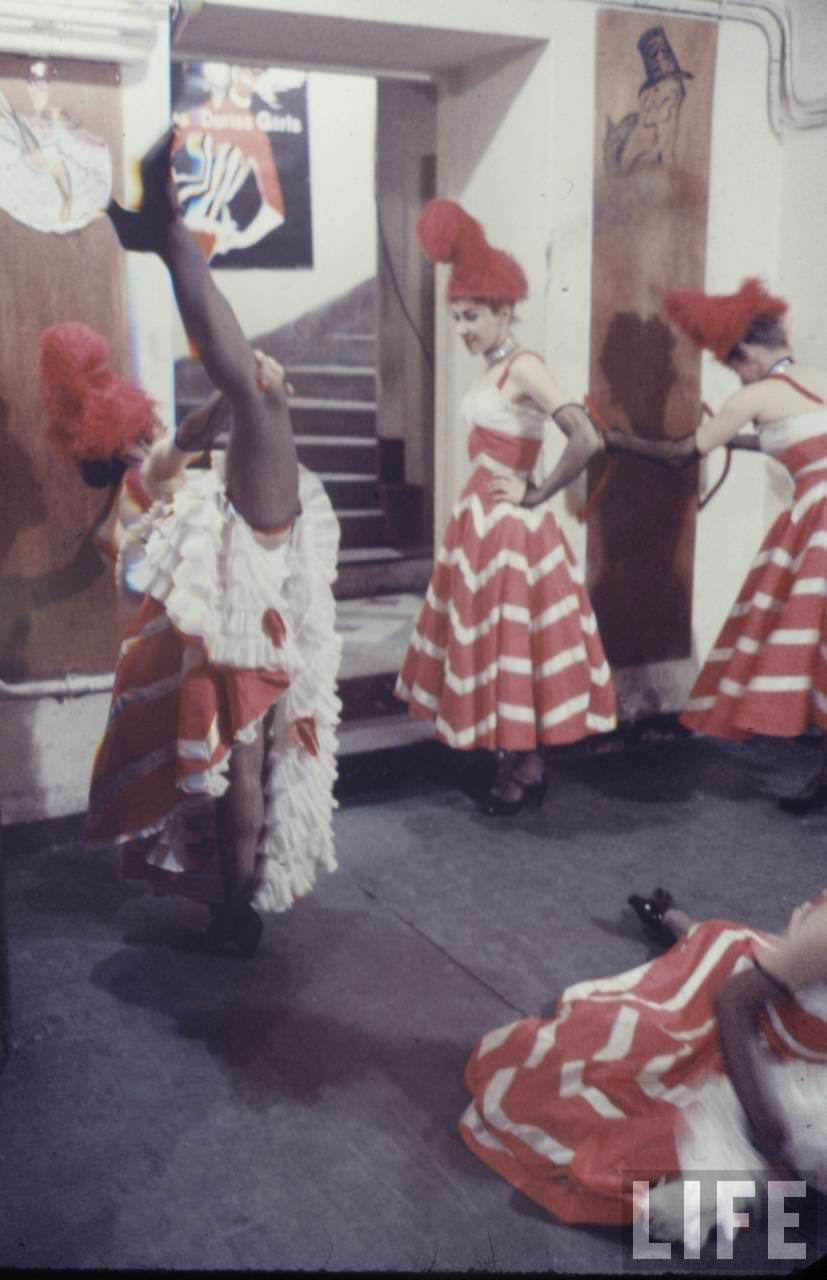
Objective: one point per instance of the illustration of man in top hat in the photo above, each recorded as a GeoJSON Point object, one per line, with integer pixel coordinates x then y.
{"type": "Point", "coordinates": [646, 138]}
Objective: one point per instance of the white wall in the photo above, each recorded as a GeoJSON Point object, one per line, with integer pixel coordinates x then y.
{"type": "Point", "coordinates": [342, 126]}
{"type": "Point", "coordinates": [46, 753]}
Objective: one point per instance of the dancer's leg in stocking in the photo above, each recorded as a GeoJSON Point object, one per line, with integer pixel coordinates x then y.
{"type": "Point", "coordinates": [262, 467]}
{"type": "Point", "coordinates": [240, 819]}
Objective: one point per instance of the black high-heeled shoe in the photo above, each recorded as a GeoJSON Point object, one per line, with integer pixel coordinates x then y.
{"type": "Point", "coordinates": [532, 795]}
{"type": "Point", "coordinates": [650, 913]}
{"type": "Point", "coordinates": [233, 930]}
{"type": "Point", "coordinates": [810, 799]}
{"type": "Point", "coordinates": [145, 229]}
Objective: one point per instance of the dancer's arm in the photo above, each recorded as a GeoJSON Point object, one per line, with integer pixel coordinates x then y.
{"type": "Point", "coordinates": [739, 411]}
{"type": "Point", "coordinates": [798, 961]}
{"type": "Point", "coordinates": [724, 428]}
{"type": "Point", "coordinates": [738, 1009]}
{"type": "Point", "coordinates": [678, 451]}
{"type": "Point", "coordinates": [749, 443]}
{"type": "Point", "coordinates": [583, 442]}
{"type": "Point", "coordinates": [532, 380]}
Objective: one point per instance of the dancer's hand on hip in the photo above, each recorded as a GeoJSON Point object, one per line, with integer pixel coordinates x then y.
{"type": "Point", "coordinates": [508, 489]}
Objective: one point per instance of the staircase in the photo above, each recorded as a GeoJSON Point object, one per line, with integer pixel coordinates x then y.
{"type": "Point", "coordinates": [384, 566]}
{"type": "Point", "coordinates": [333, 412]}
{"type": "Point", "coordinates": [330, 358]}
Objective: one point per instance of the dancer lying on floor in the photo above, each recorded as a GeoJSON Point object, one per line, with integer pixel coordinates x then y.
{"type": "Point", "coordinates": [225, 684]}
{"type": "Point", "coordinates": [712, 1056]}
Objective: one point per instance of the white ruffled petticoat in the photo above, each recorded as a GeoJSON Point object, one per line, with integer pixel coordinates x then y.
{"type": "Point", "coordinates": [713, 1141]}
{"type": "Point", "coordinates": [217, 580]}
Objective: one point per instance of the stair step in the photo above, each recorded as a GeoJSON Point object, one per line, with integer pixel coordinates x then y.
{"type": "Point", "coordinates": [338, 454]}
{"type": "Point", "coordinates": [381, 571]}
{"type": "Point", "coordinates": [333, 381]}
{"type": "Point", "coordinates": [381, 733]}
{"type": "Point", "coordinates": [363, 556]}
{"type": "Point", "coordinates": [333, 417]}
{"type": "Point", "coordinates": [369, 696]}
{"type": "Point", "coordinates": [351, 491]}
{"type": "Point", "coordinates": [362, 528]}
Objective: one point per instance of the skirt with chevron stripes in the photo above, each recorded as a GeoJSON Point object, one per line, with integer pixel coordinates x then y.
{"type": "Point", "coordinates": [506, 653]}
{"type": "Point", "coordinates": [574, 1108]}
{"type": "Point", "coordinates": [767, 671]}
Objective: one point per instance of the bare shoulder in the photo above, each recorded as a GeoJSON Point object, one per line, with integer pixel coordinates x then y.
{"type": "Point", "coordinates": [815, 380]}
{"type": "Point", "coordinates": [781, 398]}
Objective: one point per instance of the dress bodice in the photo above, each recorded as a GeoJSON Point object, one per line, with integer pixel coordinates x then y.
{"type": "Point", "coordinates": [798, 442]}
{"type": "Point", "coordinates": [503, 433]}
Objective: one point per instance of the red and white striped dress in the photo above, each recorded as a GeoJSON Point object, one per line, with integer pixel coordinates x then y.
{"type": "Point", "coordinates": [506, 653]}
{"type": "Point", "coordinates": [767, 672]}
{"type": "Point", "coordinates": [234, 624]}
{"type": "Point", "coordinates": [627, 1082]}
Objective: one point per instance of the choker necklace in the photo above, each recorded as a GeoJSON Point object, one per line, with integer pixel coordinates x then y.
{"type": "Point", "coordinates": [496, 354]}
{"type": "Point", "coordinates": [781, 364]}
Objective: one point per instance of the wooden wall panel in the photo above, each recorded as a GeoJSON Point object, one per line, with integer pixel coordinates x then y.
{"type": "Point", "coordinates": [56, 598]}
{"type": "Point", "coordinates": [653, 123]}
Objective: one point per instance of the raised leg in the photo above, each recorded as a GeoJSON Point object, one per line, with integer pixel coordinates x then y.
{"type": "Point", "coordinates": [262, 466]}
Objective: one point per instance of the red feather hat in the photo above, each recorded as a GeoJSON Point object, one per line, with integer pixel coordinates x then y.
{"type": "Point", "coordinates": [720, 321]}
{"type": "Point", "coordinates": [91, 412]}
{"type": "Point", "coordinates": [448, 234]}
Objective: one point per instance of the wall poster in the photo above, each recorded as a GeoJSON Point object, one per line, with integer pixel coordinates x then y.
{"type": "Point", "coordinates": [653, 123]}
{"type": "Point", "coordinates": [242, 167]}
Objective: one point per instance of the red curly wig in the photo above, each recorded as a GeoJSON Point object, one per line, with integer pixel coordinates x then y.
{"type": "Point", "coordinates": [448, 234]}
{"type": "Point", "coordinates": [91, 412]}
{"type": "Point", "coordinates": [720, 321]}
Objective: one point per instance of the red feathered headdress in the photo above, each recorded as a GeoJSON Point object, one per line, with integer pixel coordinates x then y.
{"type": "Point", "coordinates": [448, 234]}
{"type": "Point", "coordinates": [720, 321]}
{"type": "Point", "coordinates": [91, 412]}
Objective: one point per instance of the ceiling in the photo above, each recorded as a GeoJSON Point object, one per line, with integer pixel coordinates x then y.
{"type": "Point", "coordinates": [228, 33]}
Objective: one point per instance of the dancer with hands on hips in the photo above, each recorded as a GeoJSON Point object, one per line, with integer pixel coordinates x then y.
{"type": "Point", "coordinates": [506, 655]}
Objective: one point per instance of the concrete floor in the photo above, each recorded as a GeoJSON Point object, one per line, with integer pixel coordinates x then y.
{"type": "Point", "coordinates": [163, 1109]}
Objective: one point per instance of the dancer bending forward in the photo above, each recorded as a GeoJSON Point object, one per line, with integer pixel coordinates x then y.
{"type": "Point", "coordinates": [225, 681]}
{"type": "Point", "coordinates": [767, 671]}
{"type": "Point", "coordinates": [711, 1057]}
{"type": "Point", "coordinates": [112, 431]}
{"type": "Point", "coordinates": [505, 654]}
